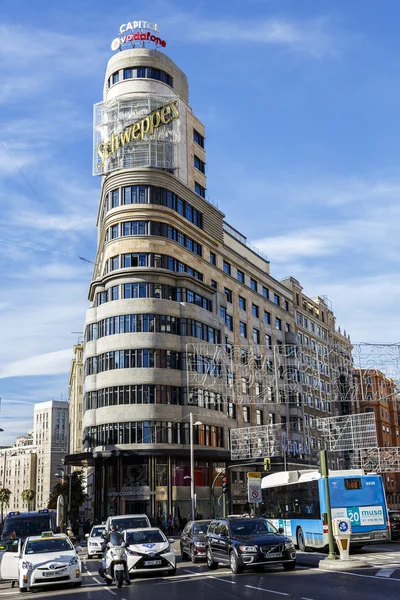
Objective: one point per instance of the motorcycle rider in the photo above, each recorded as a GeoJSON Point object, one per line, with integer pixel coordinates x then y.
{"type": "Point", "coordinates": [115, 539]}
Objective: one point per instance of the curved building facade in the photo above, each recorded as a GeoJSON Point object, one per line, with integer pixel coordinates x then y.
{"type": "Point", "coordinates": [150, 295]}
{"type": "Point", "coordinates": [185, 317]}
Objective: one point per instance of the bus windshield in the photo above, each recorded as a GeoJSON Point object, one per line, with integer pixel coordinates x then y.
{"type": "Point", "coordinates": [26, 525]}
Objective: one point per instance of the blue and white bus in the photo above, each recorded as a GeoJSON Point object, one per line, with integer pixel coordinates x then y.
{"type": "Point", "coordinates": [295, 501]}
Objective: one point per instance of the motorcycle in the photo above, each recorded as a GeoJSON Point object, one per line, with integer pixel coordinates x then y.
{"type": "Point", "coordinates": [114, 564]}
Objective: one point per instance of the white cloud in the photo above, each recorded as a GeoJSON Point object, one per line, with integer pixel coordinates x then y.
{"type": "Point", "coordinates": [43, 364]}
{"type": "Point", "coordinates": [310, 37]}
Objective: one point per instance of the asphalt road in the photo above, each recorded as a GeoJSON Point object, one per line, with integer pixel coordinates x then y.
{"type": "Point", "coordinates": [381, 580]}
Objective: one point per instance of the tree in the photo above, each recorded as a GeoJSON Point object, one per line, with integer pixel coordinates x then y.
{"type": "Point", "coordinates": [28, 497]}
{"type": "Point", "coordinates": [5, 494]}
{"type": "Point", "coordinates": [77, 496]}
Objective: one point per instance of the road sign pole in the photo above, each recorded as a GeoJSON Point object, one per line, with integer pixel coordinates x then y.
{"type": "Point", "coordinates": [325, 476]}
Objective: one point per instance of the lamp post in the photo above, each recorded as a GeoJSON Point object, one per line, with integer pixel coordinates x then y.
{"type": "Point", "coordinates": [192, 480]}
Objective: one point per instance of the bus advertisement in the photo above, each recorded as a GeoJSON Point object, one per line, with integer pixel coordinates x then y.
{"type": "Point", "coordinates": [295, 501]}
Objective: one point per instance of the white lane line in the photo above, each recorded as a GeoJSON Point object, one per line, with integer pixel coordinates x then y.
{"type": "Point", "coordinates": [220, 579]}
{"type": "Point", "coordinates": [111, 592]}
{"type": "Point", "coordinates": [354, 574]}
{"type": "Point", "coordinates": [385, 573]}
{"type": "Point", "coordinates": [97, 580]}
{"type": "Point", "coordinates": [253, 587]}
{"type": "Point", "coordinates": [304, 598]}
{"type": "Point", "coordinates": [189, 571]}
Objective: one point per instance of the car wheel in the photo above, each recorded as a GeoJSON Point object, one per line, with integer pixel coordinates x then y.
{"type": "Point", "coordinates": [234, 563]}
{"type": "Point", "coordinates": [211, 564]}
{"type": "Point", "coordinates": [289, 566]}
{"type": "Point", "coordinates": [193, 557]}
{"type": "Point", "coordinates": [184, 556]}
{"type": "Point", "coordinates": [300, 540]}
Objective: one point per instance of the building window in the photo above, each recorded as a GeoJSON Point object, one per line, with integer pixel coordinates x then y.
{"type": "Point", "coordinates": [254, 310]}
{"type": "Point", "coordinates": [267, 318]}
{"type": "Point", "coordinates": [287, 328]}
{"type": "Point", "coordinates": [214, 284]}
{"type": "Point", "coordinates": [253, 284]}
{"type": "Point", "coordinates": [259, 417]}
{"type": "Point", "coordinates": [277, 300]}
{"type": "Point", "coordinates": [243, 329]}
{"type": "Point", "coordinates": [115, 77]}
{"type": "Point", "coordinates": [229, 322]}
{"type": "Point", "coordinates": [268, 341]}
{"type": "Point", "coordinates": [242, 303]}
{"type": "Point", "coordinates": [213, 259]}
{"type": "Point", "coordinates": [198, 138]}
{"type": "Point", "coordinates": [265, 292]}
{"type": "Point", "coordinates": [227, 267]}
{"type": "Point", "coordinates": [278, 324]}
{"type": "Point", "coordinates": [240, 276]}
{"type": "Point", "coordinates": [286, 304]}
{"type": "Point", "coordinates": [228, 294]}
{"type": "Point", "coordinates": [114, 292]}
{"type": "Point", "coordinates": [199, 164]}
{"type": "Point", "coordinates": [256, 335]}
{"type": "Point", "coordinates": [246, 414]}
{"type": "Point", "coordinates": [199, 189]}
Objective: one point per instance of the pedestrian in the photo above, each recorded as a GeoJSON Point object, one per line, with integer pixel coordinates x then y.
{"type": "Point", "coordinates": [171, 523]}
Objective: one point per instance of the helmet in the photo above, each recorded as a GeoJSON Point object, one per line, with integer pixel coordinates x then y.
{"type": "Point", "coordinates": [114, 527]}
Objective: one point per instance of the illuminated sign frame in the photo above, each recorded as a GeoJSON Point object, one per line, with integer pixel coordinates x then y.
{"type": "Point", "coordinates": [142, 36]}
{"type": "Point", "coordinates": [138, 130]}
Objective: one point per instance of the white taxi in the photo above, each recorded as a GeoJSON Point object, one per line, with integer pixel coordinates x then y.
{"type": "Point", "coordinates": [95, 541]}
{"type": "Point", "coordinates": [48, 559]}
{"type": "Point", "coordinates": [148, 551]}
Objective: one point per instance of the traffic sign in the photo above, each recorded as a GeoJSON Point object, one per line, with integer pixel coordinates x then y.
{"type": "Point", "coordinates": [254, 488]}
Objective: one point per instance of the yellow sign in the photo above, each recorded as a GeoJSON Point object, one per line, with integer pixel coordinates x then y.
{"type": "Point", "coordinates": [138, 130]}
{"type": "Point", "coordinates": [254, 475]}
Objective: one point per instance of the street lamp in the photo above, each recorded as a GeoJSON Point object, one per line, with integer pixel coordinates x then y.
{"type": "Point", "coordinates": [192, 481]}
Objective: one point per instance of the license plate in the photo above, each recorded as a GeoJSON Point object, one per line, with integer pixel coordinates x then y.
{"type": "Point", "coordinates": [151, 563]}
{"type": "Point", "coordinates": [55, 573]}
{"type": "Point", "coordinates": [119, 568]}
{"type": "Point", "coordinates": [273, 555]}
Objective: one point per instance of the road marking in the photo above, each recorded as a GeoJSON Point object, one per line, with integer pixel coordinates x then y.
{"type": "Point", "coordinates": [97, 581]}
{"type": "Point", "coordinates": [189, 571]}
{"type": "Point", "coordinates": [253, 587]}
{"type": "Point", "coordinates": [111, 592]}
{"type": "Point", "coordinates": [385, 573]}
{"type": "Point", "coordinates": [354, 574]}
{"type": "Point", "coordinates": [220, 579]}
{"type": "Point", "coordinates": [304, 598]}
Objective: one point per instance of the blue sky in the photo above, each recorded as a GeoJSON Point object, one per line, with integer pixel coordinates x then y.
{"type": "Point", "coordinates": [300, 101]}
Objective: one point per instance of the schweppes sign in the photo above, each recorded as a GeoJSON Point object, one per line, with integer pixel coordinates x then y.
{"type": "Point", "coordinates": [137, 131]}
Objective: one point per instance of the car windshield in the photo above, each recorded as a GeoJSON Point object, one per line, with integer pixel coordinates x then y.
{"type": "Point", "coordinates": [395, 516]}
{"type": "Point", "coordinates": [250, 527]}
{"type": "Point", "coordinates": [26, 526]}
{"type": "Point", "coordinates": [97, 531]}
{"type": "Point", "coordinates": [130, 523]}
{"type": "Point", "coordinates": [48, 545]}
{"type": "Point", "coordinates": [144, 537]}
{"type": "Point", "coordinates": [200, 528]}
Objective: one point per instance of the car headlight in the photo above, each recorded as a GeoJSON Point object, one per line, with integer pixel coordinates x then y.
{"type": "Point", "coordinates": [200, 544]}
{"type": "Point", "coordinates": [27, 565]}
{"type": "Point", "coordinates": [131, 552]}
{"type": "Point", "coordinates": [289, 546]}
{"type": "Point", "coordinates": [169, 549]}
{"type": "Point", "coordinates": [74, 561]}
{"type": "Point", "coordinates": [248, 548]}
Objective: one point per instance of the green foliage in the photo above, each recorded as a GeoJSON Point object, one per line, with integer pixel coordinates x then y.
{"type": "Point", "coordinates": [78, 495]}
{"type": "Point", "coordinates": [27, 497]}
{"type": "Point", "coordinates": [5, 495]}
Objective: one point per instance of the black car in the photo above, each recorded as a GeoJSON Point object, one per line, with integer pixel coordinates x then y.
{"type": "Point", "coordinates": [242, 543]}
{"type": "Point", "coordinates": [193, 540]}
{"type": "Point", "coordinates": [394, 518]}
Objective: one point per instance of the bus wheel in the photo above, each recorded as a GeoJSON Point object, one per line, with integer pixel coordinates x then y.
{"type": "Point", "coordinates": [300, 540]}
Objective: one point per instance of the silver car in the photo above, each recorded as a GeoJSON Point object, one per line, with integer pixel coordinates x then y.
{"type": "Point", "coordinates": [95, 541]}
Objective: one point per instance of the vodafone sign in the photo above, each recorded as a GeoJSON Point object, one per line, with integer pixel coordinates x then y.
{"type": "Point", "coordinates": [137, 31]}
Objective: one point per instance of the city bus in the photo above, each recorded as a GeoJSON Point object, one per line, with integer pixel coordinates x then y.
{"type": "Point", "coordinates": [295, 502]}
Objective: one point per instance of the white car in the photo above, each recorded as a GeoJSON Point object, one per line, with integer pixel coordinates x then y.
{"type": "Point", "coordinates": [95, 541]}
{"type": "Point", "coordinates": [48, 559]}
{"type": "Point", "coordinates": [149, 551]}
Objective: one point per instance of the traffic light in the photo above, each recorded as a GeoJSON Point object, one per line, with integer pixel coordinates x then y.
{"type": "Point", "coordinates": [225, 485]}
{"type": "Point", "coordinates": [267, 464]}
